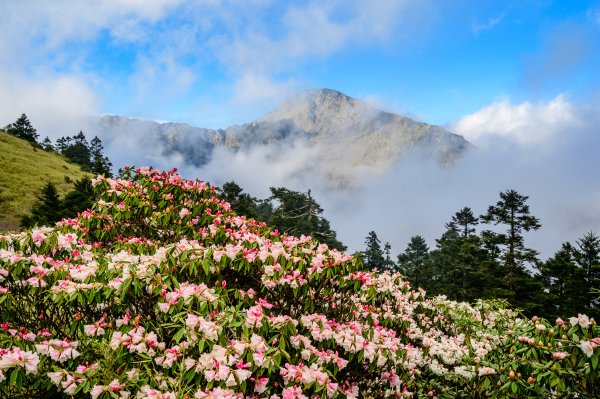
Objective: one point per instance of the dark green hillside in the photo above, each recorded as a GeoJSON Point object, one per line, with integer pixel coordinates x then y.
{"type": "Point", "coordinates": [24, 170]}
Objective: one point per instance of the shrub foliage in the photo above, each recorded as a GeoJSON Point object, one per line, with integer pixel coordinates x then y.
{"type": "Point", "coordinates": [161, 291]}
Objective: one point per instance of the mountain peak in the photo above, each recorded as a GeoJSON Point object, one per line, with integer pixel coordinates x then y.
{"type": "Point", "coordinates": [321, 110]}
{"type": "Point", "coordinates": [324, 122]}
{"type": "Point", "coordinates": [325, 94]}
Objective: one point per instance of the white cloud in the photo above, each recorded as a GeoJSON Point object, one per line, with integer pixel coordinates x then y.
{"type": "Point", "coordinates": [56, 105]}
{"type": "Point", "coordinates": [315, 30]}
{"type": "Point", "coordinates": [168, 43]}
{"type": "Point", "coordinates": [312, 30]}
{"type": "Point", "coordinates": [525, 123]}
{"type": "Point", "coordinates": [252, 87]}
{"type": "Point", "coordinates": [50, 24]}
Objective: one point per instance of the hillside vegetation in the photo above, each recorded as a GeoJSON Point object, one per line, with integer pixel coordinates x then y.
{"type": "Point", "coordinates": [162, 291]}
{"type": "Point", "coordinates": [24, 169]}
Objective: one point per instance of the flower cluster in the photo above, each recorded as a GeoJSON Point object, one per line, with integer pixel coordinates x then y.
{"type": "Point", "coordinates": [161, 291]}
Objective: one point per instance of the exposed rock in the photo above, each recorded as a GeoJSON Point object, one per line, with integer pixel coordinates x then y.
{"type": "Point", "coordinates": [341, 132]}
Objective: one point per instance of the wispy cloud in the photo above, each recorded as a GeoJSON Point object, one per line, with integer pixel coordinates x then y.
{"type": "Point", "coordinates": [567, 59]}
{"type": "Point", "coordinates": [315, 30]}
{"type": "Point", "coordinates": [158, 51]}
{"type": "Point", "coordinates": [478, 27]}
{"type": "Point", "coordinates": [42, 26]}
{"type": "Point", "coordinates": [594, 15]}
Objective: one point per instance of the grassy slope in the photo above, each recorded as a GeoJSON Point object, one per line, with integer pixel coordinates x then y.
{"type": "Point", "coordinates": [23, 172]}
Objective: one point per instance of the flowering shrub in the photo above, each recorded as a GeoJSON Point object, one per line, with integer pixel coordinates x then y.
{"type": "Point", "coordinates": [160, 291]}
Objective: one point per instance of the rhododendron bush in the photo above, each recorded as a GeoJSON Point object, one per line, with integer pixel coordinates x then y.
{"type": "Point", "coordinates": [161, 291]}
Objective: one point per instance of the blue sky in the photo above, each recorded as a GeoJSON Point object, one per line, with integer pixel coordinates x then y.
{"type": "Point", "coordinates": [519, 79]}
{"type": "Point", "coordinates": [213, 63]}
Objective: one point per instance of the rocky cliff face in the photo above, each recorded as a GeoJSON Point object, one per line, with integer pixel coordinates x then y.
{"type": "Point", "coordinates": [341, 133]}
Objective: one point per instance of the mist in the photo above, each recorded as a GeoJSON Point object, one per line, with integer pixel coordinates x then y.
{"type": "Point", "coordinates": [414, 195]}
{"type": "Point", "coordinates": [556, 166]}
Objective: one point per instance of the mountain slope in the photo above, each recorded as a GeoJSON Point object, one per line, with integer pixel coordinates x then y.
{"type": "Point", "coordinates": [338, 134]}
{"type": "Point", "coordinates": [335, 118]}
{"type": "Point", "coordinates": [23, 172]}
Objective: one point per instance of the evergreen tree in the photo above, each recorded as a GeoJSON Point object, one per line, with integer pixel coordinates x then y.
{"type": "Point", "coordinates": [461, 267]}
{"type": "Point", "coordinates": [62, 144]}
{"type": "Point", "coordinates": [50, 208]}
{"type": "Point", "coordinates": [100, 164]}
{"type": "Point", "coordinates": [513, 212]}
{"type": "Point", "coordinates": [387, 251]}
{"type": "Point", "coordinates": [47, 209]}
{"type": "Point", "coordinates": [77, 151]}
{"type": "Point", "coordinates": [587, 256]}
{"type": "Point", "coordinates": [373, 255]}
{"type": "Point", "coordinates": [298, 213]}
{"type": "Point", "coordinates": [562, 281]}
{"type": "Point", "coordinates": [412, 261]}
{"type": "Point", "coordinates": [82, 197]}
{"type": "Point", "coordinates": [47, 144]}
{"type": "Point", "coordinates": [23, 128]}
{"type": "Point", "coordinates": [464, 221]}
{"type": "Point", "coordinates": [245, 204]}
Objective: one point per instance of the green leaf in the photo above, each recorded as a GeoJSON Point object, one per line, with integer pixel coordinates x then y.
{"type": "Point", "coordinates": [178, 335]}
{"type": "Point", "coordinates": [13, 377]}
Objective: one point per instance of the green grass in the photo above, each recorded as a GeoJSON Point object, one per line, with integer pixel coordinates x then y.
{"type": "Point", "coordinates": [24, 170]}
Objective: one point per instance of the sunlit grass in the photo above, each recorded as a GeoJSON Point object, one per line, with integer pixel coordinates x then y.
{"type": "Point", "coordinates": [24, 170]}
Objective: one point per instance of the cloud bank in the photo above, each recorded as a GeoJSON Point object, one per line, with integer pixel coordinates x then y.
{"type": "Point", "coordinates": [525, 123]}
{"type": "Point", "coordinates": [547, 151]}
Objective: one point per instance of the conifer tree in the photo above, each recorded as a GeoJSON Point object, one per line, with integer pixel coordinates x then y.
{"type": "Point", "coordinates": [82, 197]}
{"type": "Point", "coordinates": [587, 256]}
{"type": "Point", "coordinates": [77, 151]}
{"type": "Point", "coordinates": [461, 267]}
{"type": "Point", "coordinates": [513, 213]}
{"type": "Point", "coordinates": [413, 260]}
{"type": "Point", "coordinates": [464, 221]}
{"type": "Point", "coordinates": [562, 281]}
{"type": "Point", "coordinates": [373, 256]}
{"type": "Point", "coordinates": [99, 163]}
{"type": "Point", "coordinates": [23, 129]}
{"type": "Point", "coordinates": [388, 262]}
{"type": "Point", "coordinates": [47, 209]}
{"type": "Point", "coordinates": [47, 144]}
{"type": "Point", "coordinates": [245, 204]}
{"type": "Point", "coordinates": [298, 213]}
{"type": "Point", "coordinates": [62, 144]}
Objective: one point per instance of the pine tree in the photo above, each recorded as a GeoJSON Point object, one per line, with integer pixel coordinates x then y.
{"type": "Point", "coordinates": [77, 150]}
{"type": "Point", "coordinates": [461, 267]}
{"type": "Point", "coordinates": [464, 221]}
{"type": "Point", "coordinates": [82, 197]}
{"type": "Point", "coordinates": [512, 211]}
{"type": "Point", "coordinates": [23, 128]}
{"type": "Point", "coordinates": [100, 164]}
{"type": "Point", "coordinates": [388, 262]}
{"type": "Point", "coordinates": [245, 204]}
{"type": "Point", "coordinates": [587, 256]}
{"type": "Point", "coordinates": [373, 255]}
{"type": "Point", "coordinates": [47, 209]}
{"type": "Point", "coordinates": [47, 144]}
{"type": "Point", "coordinates": [298, 213]}
{"type": "Point", "coordinates": [412, 261]}
{"type": "Point", "coordinates": [562, 280]}
{"type": "Point", "coordinates": [62, 144]}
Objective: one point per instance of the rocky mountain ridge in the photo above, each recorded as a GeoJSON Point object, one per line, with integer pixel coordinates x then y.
{"type": "Point", "coordinates": [338, 132]}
